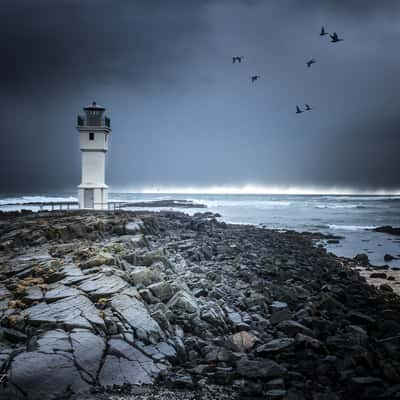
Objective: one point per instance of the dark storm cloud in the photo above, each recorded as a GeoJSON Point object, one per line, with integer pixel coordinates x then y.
{"type": "Point", "coordinates": [48, 42]}
{"type": "Point", "coordinates": [182, 115]}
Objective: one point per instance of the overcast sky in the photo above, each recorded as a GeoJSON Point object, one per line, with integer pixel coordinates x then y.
{"type": "Point", "coordinates": [182, 114]}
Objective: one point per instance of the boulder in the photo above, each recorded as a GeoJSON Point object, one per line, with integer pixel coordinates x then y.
{"type": "Point", "coordinates": [243, 341]}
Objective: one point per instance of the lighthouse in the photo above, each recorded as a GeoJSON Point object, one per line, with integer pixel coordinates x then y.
{"type": "Point", "coordinates": [93, 127]}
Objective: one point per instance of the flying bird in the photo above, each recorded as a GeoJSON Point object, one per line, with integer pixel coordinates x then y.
{"type": "Point", "coordinates": [254, 78]}
{"type": "Point", "coordinates": [298, 111]}
{"type": "Point", "coordinates": [323, 32]}
{"type": "Point", "coordinates": [237, 58]}
{"type": "Point", "coordinates": [308, 108]}
{"type": "Point", "coordinates": [335, 38]}
{"type": "Point", "coordinates": [311, 62]}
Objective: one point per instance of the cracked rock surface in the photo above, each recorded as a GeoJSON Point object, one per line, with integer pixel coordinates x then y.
{"type": "Point", "coordinates": [145, 305]}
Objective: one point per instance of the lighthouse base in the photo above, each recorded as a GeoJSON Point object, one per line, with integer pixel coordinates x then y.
{"type": "Point", "coordinates": [93, 198]}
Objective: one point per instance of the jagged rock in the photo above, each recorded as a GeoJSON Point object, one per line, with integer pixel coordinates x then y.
{"type": "Point", "coordinates": [143, 276]}
{"type": "Point", "coordinates": [161, 351]}
{"type": "Point", "coordinates": [76, 312]}
{"type": "Point", "coordinates": [133, 312]}
{"type": "Point", "coordinates": [162, 290]}
{"type": "Point", "coordinates": [148, 296]}
{"type": "Point", "coordinates": [183, 302]}
{"type": "Point", "coordinates": [213, 313]}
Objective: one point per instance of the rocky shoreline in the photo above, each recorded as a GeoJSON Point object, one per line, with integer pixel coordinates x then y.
{"type": "Point", "coordinates": [145, 305]}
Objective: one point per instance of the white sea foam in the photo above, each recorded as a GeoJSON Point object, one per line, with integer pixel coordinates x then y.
{"type": "Point", "coordinates": [36, 199]}
{"type": "Point", "coordinates": [351, 227]}
{"type": "Point", "coordinates": [338, 206]}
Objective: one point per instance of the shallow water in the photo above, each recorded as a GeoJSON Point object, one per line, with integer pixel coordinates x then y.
{"type": "Point", "coordinates": [351, 217]}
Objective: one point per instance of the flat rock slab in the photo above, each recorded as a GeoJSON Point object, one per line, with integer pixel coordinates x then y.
{"type": "Point", "coordinates": [125, 364]}
{"type": "Point", "coordinates": [136, 315]}
{"type": "Point", "coordinates": [59, 291]}
{"type": "Point", "coordinates": [88, 350]}
{"type": "Point", "coordinates": [76, 312]}
{"type": "Point", "coordinates": [101, 285]}
{"type": "Point", "coordinates": [49, 372]}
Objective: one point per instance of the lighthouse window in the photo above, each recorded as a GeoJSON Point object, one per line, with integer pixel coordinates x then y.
{"type": "Point", "coordinates": [91, 136]}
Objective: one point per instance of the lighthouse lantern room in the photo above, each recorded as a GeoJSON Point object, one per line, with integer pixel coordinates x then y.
{"type": "Point", "coordinates": [93, 127]}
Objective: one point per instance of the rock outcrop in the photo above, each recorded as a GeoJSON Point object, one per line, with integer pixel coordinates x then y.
{"type": "Point", "coordinates": [94, 302]}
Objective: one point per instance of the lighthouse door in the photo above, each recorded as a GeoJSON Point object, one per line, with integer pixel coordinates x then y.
{"type": "Point", "coordinates": [89, 198]}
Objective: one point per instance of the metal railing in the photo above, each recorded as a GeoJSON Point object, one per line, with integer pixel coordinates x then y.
{"type": "Point", "coordinates": [93, 121]}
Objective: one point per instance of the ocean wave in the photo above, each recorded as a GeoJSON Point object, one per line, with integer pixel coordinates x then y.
{"type": "Point", "coordinates": [338, 206]}
{"type": "Point", "coordinates": [36, 199]}
{"type": "Point", "coordinates": [257, 204]}
{"type": "Point", "coordinates": [350, 227]}
{"type": "Point", "coordinates": [362, 198]}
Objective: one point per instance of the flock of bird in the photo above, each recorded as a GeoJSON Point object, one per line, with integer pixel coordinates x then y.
{"type": "Point", "coordinates": [334, 39]}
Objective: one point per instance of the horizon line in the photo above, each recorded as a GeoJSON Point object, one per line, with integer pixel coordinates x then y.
{"type": "Point", "coordinates": [255, 190]}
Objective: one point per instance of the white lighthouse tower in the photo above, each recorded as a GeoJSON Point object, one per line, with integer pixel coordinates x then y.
{"type": "Point", "coordinates": [94, 128]}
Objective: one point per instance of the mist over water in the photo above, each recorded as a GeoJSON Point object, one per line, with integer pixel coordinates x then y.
{"type": "Point", "coordinates": [348, 216]}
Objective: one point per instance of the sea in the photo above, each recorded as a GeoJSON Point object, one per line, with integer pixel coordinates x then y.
{"type": "Point", "coordinates": [352, 217]}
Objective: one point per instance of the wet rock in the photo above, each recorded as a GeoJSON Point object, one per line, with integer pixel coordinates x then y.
{"type": "Point", "coordinates": [183, 302]}
{"type": "Point", "coordinates": [362, 259]}
{"type": "Point", "coordinates": [378, 275]}
{"type": "Point", "coordinates": [389, 257]}
{"type": "Point", "coordinates": [388, 229]}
